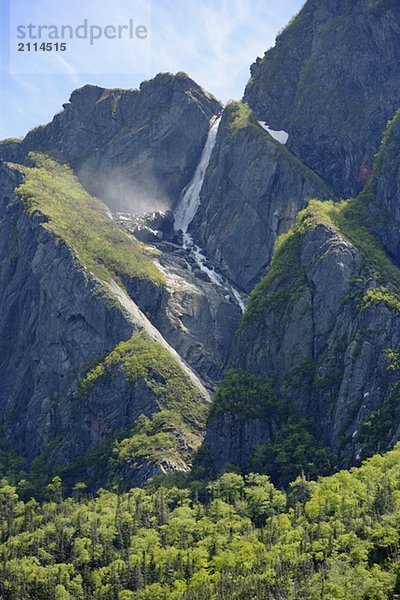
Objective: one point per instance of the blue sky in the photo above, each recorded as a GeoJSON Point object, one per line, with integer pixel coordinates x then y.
{"type": "Point", "coordinates": [214, 41]}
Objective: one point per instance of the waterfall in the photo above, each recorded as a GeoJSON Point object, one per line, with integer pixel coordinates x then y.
{"type": "Point", "coordinates": [187, 209]}
{"type": "Point", "coordinates": [190, 200]}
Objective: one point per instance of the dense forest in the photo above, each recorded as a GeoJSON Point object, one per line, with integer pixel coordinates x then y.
{"type": "Point", "coordinates": [236, 537]}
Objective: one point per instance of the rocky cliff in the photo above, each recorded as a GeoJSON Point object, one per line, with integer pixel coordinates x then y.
{"type": "Point", "coordinates": [76, 285]}
{"type": "Point", "coordinates": [64, 311]}
{"type": "Point", "coordinates": [314, 368]}
{"type": "Point", "coordinates": [383, 192]}
{"type": "Point", "coordinates": [322, 328]}
{"type": "Point", "coordinates": [253, 190]}
{"type": "Point", "coordinates": [332, 83]}
{"type": "Point", "coordinates": [134, 149]}
{"type": "Point", "coordinates": [115, 326]}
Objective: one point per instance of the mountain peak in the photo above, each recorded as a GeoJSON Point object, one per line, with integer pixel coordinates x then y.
{"type": "Point", "coordinates": [333, 110]}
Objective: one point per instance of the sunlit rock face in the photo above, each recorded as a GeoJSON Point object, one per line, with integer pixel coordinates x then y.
{"type": "Point", "coordinates": [332, 82]}
{"type": "Point", "coordinates": [253, 189]}
{"type": "Point", "coordinates": [134, 149]}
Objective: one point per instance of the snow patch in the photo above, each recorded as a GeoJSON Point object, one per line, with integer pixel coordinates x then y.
{"type": "Point", "coordinates": [279, 136]}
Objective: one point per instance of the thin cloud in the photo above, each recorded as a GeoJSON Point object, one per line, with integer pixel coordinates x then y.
{"type": "Point", "coordinates": [214, 41]}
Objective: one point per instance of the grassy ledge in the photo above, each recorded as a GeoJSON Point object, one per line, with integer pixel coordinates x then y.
{"type": "Point", "coordinates": [11, 140]}
{"type": "Point", "coordinates": [142, 358]}
{"type": "Point", "coordinates": [286, 280]}
{"type": "Point", "coordinates": [83, 222]}
{"type": "Point", "coordinates": [156, 440]}
{"type": "Point", "coordinates": [171, 434]}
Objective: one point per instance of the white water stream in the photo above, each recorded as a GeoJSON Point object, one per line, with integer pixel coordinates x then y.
{"type": "Point", "coordinates": [187, 208]}
{"type": "Point", "coordinates": [190, 201]}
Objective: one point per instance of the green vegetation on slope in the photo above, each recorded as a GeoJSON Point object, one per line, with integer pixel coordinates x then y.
{"type": "Point", "coordinates": [142, 358]}
{"type": "Point", "coordinates": [157, 440]}
{"type": "Point", "coordinates": [377, 431]}
{"type": "Point", "coordinates": [170, 432]}
{"type": "Point", "coordinates": [11, 140]}
{"type": "Point", "coordinates": [293, 448]}
{"type": "Point", "coordinates": [292, 451]}
{"type": "Point", "coordinates": [283, 285]}
{"type": "Point", "coordinates": [245, 395]}
{"type": "Point", "coordinates": [83, 222]}
{"type": "Point", "coordinates": [379, 166]}
{"type": "Point", "coordinates": [350, 218]}
{"type": "Point", "coordinates": [285, 280]}
{"type": "Point", "coordinates": [241, 116]}
{"type": "Point", "coordinates": [164, 439]}
{"type": "Point", "coordinates": [237, 537]}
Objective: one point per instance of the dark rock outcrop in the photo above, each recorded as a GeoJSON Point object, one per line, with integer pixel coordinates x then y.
{"type": "Point", "coordinates": [332, 82]}
{"type": "Point", "coordinates": [383, 192]}
{"type": "Point", "coordinates": [134, 149]}
{"type": "Point", "coordinates": [57, 319]}
{"type": "Point", "coordinates": [319, 341]}
{"type": "Point", "coordinates": [253, 190]}
{"type": "Point", "coordinates": [320, 325]}
{"type": "Point", "coordinates": [231, 440]}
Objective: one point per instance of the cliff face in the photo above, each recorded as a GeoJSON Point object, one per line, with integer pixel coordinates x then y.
{"type": "Point", "coordinates": [46, 336]}
{"type": "Point", "coordinates": [253, 189]}
{"type": "Point", "coordinates": [134, 149]}
{"type": "Point", "coordinates": [137, 149]}
{"type": "Point", "coordinates": [108, 321]}
{"type": "Point", "coordinates": [75, 285]}
{"type": "Point", "coordinates": [332, 82]}
{"type": "Point", "coordinates": [323, 326]}
{"type": "Point", "coordinates": [198, 318]}
{"type": "Point", "coordinates": [63, 308]}
{"type": "Point", "coordinates": [383, 191]}
{"type": "Point", "coordinates": [315, 360]}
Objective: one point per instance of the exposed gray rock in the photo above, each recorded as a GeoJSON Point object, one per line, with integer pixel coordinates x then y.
{"type": "Point", "coordinates": [138, 476]}
{"type": "Point", "coordinates": [55, 323]}
{"type": "Point", "coordinates": [230, 440]}
{"type": "Point", "coordinates": [383, 193]}
{"type": "Point", "coordinates": [134, 149]}
{"type": "Point", "coordinates": [309, 327]}
{"type": "Point", "coordinates": [195, 316]}
{"type": "Point", "coordinates": [332, 83]}
{"type": "Point", "coordinates": [323, 346]}
{"type": "Point", "coordinates": [253, 190]}
{"type": "Point", "coordinates": [198, 318]}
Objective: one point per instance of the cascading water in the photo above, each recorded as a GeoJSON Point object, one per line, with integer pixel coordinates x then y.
{"type": "Point", "coordinates": [187, 208]}
{"type": "Point", "coordinates": [190, 201]}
